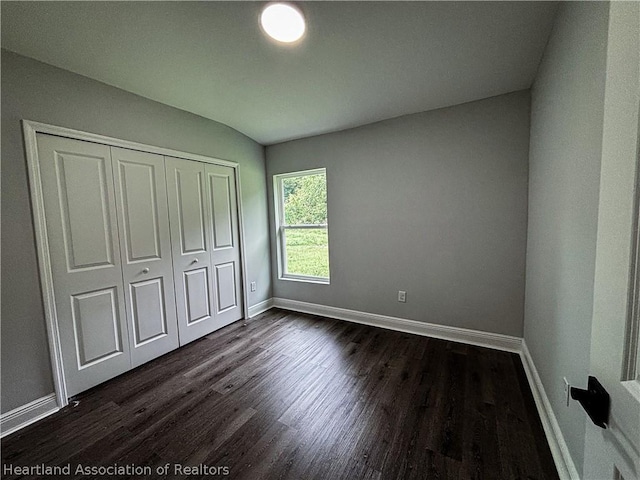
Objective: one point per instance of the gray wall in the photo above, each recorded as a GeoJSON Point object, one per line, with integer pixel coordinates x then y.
{"type": "Point", "coordinates": [35, 91]}
{"type": "Point", "coordinates": [564, 175]}
{"type": "Point", "coordinates": [433, 203]}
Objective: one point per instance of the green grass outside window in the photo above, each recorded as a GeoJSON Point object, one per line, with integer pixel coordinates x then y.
{"type": "Point", "coordinates": [307, 252]}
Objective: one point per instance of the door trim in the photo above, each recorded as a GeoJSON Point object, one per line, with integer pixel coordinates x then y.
{"type": "Point", "coordinates": [30, 130]}
{"type": "Point", "coordinates": [631, 353]}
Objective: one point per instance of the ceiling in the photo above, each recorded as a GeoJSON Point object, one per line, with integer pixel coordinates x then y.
{"type": "Point", "coordinates": [359, 62]}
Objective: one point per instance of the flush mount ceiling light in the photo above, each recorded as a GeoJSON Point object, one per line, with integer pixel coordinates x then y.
{"type": "Point", "coordinates": [283, 22]}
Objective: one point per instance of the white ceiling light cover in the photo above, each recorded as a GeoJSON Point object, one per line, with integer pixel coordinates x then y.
{"type": "Point", "coordinates": [283, 22]}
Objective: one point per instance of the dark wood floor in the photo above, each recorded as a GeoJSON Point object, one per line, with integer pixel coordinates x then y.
{"type": "Point", "coordinates": [295, 396]}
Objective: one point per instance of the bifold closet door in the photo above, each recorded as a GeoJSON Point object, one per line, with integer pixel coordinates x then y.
{"type": "Point", "coordinates": [191, 244]}
{"type": "Point", "coordinates": [206, 248]}
{"type": "Point", "coordinates": [79, 198]}
{"type": "Point", "coordinates": [145, 246]}
{"type": "Point", "coordinates": [225, 239]}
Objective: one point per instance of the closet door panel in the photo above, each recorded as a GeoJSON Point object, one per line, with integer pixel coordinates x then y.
{"type": "Point", "coordinates": [225, 252]}
{"type": "Point", "coordinates": [139, 211]}
{"type": "Point", "coordinates": [191, 210]}
{"type": "Point", "coordinates": [148, 312]}
{"type": "Point", "coordinates": [197, 301]}
{"type": "Point", "coordinates": [190, 225]}
{"type": "Point", "coordinates": [226, 287]}
{"type": "Point", "coordinates": [84, 197]}
{"type": "Point", "coordinates": [220, 193]}
{"type": "Point", "coordinates": [96, 326]}
{"type": "Point", "coordinates": [146, 250]}
{"type": "Point", "coordinates": [79, 199]}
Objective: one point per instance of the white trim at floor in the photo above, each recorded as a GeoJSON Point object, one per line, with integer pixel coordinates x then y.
{"type": "Point", "coordinates": [27, 414]}
{"type": "Point", "coordinates": [561, 456]}
{"type": "Point", "coordinates": [455, 334]}
{"type": "Point", "coordinates": [261, 307]}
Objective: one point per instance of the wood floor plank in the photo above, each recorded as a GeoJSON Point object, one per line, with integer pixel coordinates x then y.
{"type": "Point", "coordinates": [480, 449]}
{"type": "Point", "coordinates": [266, 453]}
{"type": "Point", "coordinates": [294, 396]}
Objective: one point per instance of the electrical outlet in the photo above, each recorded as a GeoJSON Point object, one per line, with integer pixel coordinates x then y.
{"type": "Point", "coordinates": [253, 286]}
{"type": "Point", "coordinates": [567, 390]}
{"type": "Point", "coordinates": [402, 296]}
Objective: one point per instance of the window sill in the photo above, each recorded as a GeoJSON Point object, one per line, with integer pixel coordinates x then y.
{"type": "Point", "coordinates": [317, 280]}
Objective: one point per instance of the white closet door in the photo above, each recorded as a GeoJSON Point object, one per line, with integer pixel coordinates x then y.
{"type": "Point", "coordinates": [191, 244]}
{"type": "Point", "coordinates": [79, 200]}
{"type": "Point", "coordinates": [145, 246]}
{"type": "Point", "coordinates": [225, 243]}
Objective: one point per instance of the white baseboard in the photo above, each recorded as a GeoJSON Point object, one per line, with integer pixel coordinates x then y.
{"type": "Point", "coordinates": [561, 456]}
{"type": "Point", "coordinates": [261, 307]}
{"type": "Point", "coordinates": [27, 414]}
{"type": "Point", "coordinates": [456, 334]}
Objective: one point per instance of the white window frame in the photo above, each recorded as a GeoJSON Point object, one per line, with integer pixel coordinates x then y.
{"type": "Point", "coordinates": [281, 227]}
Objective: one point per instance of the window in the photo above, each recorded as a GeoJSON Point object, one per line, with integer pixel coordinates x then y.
{"type": "Point", "coordinates": [301, 222]}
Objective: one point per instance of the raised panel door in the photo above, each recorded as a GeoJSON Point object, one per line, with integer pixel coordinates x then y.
{"type": "Point", "coordinates": [79, 199]}
{"type": "Point", "coordinates": [225, 252]}
{"type": "Point", "coordinates": [191, 243]}
{"type": "Point", "coordinates": [146, 253]}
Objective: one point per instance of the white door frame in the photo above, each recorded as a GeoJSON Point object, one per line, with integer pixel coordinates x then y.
{"type": "Point", "coordinates": [30, 130]}
{"type": "Point", "coordinates": [614, 452]}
